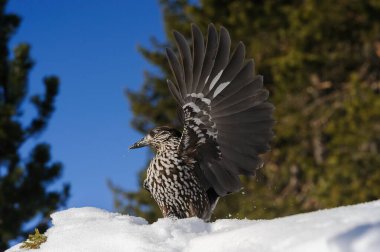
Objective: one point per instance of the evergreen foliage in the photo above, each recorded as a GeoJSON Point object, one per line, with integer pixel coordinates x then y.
{"type": "Point", "coordinates": [321, 61]}
{"type": "Point", "coordinates": [24, 181]}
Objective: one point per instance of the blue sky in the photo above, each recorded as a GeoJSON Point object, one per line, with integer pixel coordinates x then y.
{"type": "Point", "coordinates": [91, 47]}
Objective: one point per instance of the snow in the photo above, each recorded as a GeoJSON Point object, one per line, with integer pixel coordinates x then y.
{"type": "Point", "coordinates": [344, 229]}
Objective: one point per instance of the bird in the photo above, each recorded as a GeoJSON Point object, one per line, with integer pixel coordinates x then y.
{"type": "Point", "coordinates": [227, 123]}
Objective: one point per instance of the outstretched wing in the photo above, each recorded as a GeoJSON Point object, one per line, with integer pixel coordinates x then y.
{"type": "Point", "coordinates": [227, 120]}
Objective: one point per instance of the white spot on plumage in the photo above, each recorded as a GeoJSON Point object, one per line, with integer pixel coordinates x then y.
{"type": "Point", "coordinates": [196, 95]}
{"type": "Point", "coordinates": [192, 105]}
{"type": "Point", "coordinates": [197, 122]}
{"type": "Point", "coordinates": [220, 88]}
{"type": "Point", "coordinates": [201, 97]}
{"type": "Point", "coordinates": [205, 100]}
{"type": "Point", "coordinates": [215, 80]}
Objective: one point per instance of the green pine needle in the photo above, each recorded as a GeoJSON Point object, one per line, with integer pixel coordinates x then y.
{"type": "Point", "coordinates": [34, 240]}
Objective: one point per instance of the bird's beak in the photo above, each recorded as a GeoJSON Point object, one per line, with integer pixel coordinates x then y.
{"type": "Point", "coordinates": [143, 142]}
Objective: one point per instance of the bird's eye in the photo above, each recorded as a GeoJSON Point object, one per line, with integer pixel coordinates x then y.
{"type": "Point", "coordinates": [163, 135]}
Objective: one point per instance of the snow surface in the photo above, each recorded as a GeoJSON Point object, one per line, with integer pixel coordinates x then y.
{"type": "Point", "coordinates": [344, 229]}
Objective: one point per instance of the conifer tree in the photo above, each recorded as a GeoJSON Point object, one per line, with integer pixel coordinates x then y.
{"type": "Point", "coordinates": [321, 62]}
{"type": "Point", "coordinates": [24, 181]}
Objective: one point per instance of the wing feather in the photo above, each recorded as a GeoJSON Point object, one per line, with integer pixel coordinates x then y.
{"type": "Point", "coordinates": [177, 71]}
{"type": "Point", "coordinates": [186, 59]}
{"type": "Point", "coordinates": [209, 58]}
{"type": "Point", "coordinates": [198, 55]}
{"type": "Point", "coordinates": [220, 62]}
{"type": "Point", "coordinates": [227, 118]}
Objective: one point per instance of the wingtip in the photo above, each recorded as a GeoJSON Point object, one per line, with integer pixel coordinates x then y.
{"type": "Point", "coordinates": [176, 33]}
{"type": "Point", "coordinates": [178, 36]}
{"type": "Point", "coordinates": [195, 30]}
{"type": "Point", "coordinates": [241, 44]}
{"type": "Point", "coordinates": [169, 52]}
{"type": "Point", "coordinates": [211, 28]}
{"type": "Point", "coordinates": [224, 30]}
{"type": "Point", "coordinates": [250, 63]}
{"type": "Point", "coordinates": [194, 26]}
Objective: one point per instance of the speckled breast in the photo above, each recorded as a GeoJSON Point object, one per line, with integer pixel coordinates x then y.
{"type": "Point", "coordinates": [176, 188]}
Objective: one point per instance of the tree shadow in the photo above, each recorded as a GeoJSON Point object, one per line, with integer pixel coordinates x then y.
{"type": "Point", "coordinates": [361, 238]}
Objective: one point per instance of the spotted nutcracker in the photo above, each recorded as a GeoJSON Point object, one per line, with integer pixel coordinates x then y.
{"type": "Point", "coordinates": [227, 124]}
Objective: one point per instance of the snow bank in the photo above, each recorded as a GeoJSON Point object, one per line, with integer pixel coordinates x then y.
{"type": "Point", "coordinates": [344, 229]}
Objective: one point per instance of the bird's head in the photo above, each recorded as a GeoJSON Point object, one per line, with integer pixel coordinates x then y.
{"type": "Point", "coordinates": [158, 137]}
